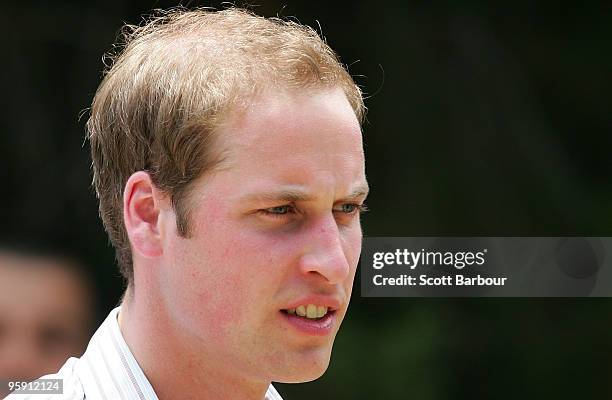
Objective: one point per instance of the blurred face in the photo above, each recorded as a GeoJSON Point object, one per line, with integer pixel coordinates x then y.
{"type": "Point", "coordinates": [264, 280]}
{"type": "Point", "coordinates": [44, 316]}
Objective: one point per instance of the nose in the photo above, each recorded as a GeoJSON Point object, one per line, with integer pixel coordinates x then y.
{"type": "Point", "coordinates": [324, 253]}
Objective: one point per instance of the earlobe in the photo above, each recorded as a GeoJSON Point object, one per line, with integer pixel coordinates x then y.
{"type": "Point", "coordinates": [141, 212]}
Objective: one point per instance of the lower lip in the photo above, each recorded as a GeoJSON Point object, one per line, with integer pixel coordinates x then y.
{"type": "Point", "coordinates": [313, 327]}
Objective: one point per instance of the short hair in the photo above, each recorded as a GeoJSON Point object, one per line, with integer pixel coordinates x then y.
{"type": "Point", "coordinates": [170, 83]}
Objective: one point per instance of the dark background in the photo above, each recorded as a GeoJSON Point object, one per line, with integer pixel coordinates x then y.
{"type": "Point", "coordinates": [484, 120]}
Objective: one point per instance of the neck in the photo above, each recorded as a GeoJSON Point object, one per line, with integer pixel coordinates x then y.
{"type": "Point", "coordinates": [175, 365]}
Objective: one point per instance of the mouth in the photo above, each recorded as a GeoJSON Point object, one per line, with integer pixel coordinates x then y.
{"type": "Point", "coordinates": [311, 319]}
{"type": "Point", "coordinates": [310, 311]}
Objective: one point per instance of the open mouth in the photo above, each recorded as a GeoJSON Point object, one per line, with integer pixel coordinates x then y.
{"type": "Point", "coordinates": [309, 312]}
{"type": "Point", "coordinates": [312, 319]}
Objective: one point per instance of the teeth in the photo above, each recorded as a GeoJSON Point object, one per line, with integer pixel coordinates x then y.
{"type": "Point", "coordinates": [309, 311]}
{"type": "Point", "coordinates": [301, 311]}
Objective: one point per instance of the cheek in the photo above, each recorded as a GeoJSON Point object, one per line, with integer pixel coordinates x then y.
{"type": "Point", "coordinates": [220, 284]}
{"type": "Point", "coordinates": [232, 274]}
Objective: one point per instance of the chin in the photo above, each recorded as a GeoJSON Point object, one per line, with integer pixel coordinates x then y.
{"type": "Point", "coordinates": [304, 369]}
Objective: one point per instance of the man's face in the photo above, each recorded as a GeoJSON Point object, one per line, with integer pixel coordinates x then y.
{"type": "Point", "coordinates": [277, 229]}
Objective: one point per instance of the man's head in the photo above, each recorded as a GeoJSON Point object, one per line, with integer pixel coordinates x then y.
{"type": "Point", "coordinates": [229, 165]}
{"type": "Point", "coordinates": [175, 81]}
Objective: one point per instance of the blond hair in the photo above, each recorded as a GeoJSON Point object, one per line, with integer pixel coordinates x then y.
{"type": "Point", "coordinates": [167, 90]}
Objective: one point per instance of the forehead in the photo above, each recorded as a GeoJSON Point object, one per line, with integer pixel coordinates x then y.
{"type": "Point", "coordinates": [295, 133]}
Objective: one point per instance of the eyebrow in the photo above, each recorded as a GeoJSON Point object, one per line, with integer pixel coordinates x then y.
{"type": "Point", "coordinates": [360, 191]}
{"type": "Point", "coordinates": [296, 195]}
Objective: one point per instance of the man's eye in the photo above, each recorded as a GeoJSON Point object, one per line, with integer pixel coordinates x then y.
{"type": "Point", "coordinates": [352, 208]}
{"type": "Point", "coordinates": [278, 210]}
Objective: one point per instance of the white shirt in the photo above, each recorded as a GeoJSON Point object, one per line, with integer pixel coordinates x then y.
{"type": "Point", "coordinates": [107, 370]}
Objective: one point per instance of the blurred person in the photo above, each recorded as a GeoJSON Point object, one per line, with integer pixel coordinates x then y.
{"type": "Point", "coordinates": [229, 166]}
{"type": "Point", "coordinates": [46, 313]}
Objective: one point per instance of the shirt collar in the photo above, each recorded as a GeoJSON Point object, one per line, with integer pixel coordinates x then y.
{"type": "Point", "coordinates": [108, 368]}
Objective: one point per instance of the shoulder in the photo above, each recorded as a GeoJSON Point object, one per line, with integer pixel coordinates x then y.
{"type": "Point", "coordinates": [70, 385]}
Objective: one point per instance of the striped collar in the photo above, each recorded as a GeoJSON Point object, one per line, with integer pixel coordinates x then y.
{"type": "Point", "coordinates": [108, 369]}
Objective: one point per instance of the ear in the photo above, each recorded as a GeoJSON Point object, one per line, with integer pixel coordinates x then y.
{"type": "Point", "coordinates": [142, 203]}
